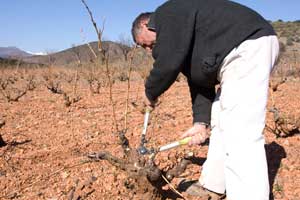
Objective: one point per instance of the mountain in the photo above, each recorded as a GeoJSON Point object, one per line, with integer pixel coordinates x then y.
{"type": "Point", "coordinates": [13, 52]}
{"type": "Point", "coordinates": [289, 37]}
{"type": "Point", "coordinates": [116, 51]}
{"type": "Point", "coordinates": [10, 62]}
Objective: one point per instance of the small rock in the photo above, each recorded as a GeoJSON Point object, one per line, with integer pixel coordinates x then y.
{"type": "Point", "coordinates": [2, 122]}
{"type": "Point", "coordinates": [62, 122]}
{"type": "Point", "coordinates": [65, 175]}
{"type": "Point", "coordinates": [286, 143]}
{"type": "Point", "coordinates": [52, 198]}
{"type": "Point", "coordinates": [2, 173]}
{"type": "Point", "coordinates": [2, 143]}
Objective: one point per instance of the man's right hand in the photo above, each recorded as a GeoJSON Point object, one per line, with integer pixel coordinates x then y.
{"type": "Point", "coordinates": [198, 132]}
{"type": "Point", "coordinates": [149, 103]}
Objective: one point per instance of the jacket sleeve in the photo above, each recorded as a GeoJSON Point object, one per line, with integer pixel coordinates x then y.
{"type": "Point", "coordinates": [174, 35]}
{"type": "Point", "coordinates": [202, 99]}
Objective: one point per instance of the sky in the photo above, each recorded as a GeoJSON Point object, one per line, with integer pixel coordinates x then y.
{"type": "Point", "coordinates": [53, 25]}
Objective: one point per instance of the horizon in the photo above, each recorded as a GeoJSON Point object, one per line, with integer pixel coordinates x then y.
{"type": "Point", "coordinates": [52, 26]}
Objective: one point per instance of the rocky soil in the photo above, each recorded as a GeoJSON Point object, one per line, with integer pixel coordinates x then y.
{"type": "Point", "coordinates": [47, 143]}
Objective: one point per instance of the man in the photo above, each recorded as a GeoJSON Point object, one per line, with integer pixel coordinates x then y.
{"type": "Point", "coordinates": [216, 42]}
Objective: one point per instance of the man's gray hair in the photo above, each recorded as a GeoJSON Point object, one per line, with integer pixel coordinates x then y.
{"type": "Point", "coordinates": [136, 25]}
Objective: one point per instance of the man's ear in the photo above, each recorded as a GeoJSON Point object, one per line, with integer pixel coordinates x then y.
{"type": "Point", "coordinates": [144, 23]}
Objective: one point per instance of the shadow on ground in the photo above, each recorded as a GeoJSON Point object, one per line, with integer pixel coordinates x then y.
{"type": "Point", "coordinates": [185, 184]}
{"type": "Point", "coordinates": [275, 153]}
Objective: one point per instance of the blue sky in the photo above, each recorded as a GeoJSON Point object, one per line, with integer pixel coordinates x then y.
{"type": "Point", "coordinates": [53, 25]}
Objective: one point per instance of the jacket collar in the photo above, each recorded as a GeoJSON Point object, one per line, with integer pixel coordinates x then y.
{"type": "Point", "coordinates": [151, 23]}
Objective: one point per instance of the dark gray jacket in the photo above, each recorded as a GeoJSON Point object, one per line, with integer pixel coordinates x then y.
{"type": "Point", "coordinates": [193, 37]}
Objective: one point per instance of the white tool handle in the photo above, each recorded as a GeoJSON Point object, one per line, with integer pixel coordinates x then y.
{"type": "Point", "coordinates": [146, 122]}
{"type": "Point", "coordinates": [169, 146]}
{"type": "Point", "coordinates": [175, 144]}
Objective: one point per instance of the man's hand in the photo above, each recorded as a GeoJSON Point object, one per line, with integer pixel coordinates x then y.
{"type": "Point", "coordinates": [149, 103]}
{"type": "Point", "coordinates": [198, 132]}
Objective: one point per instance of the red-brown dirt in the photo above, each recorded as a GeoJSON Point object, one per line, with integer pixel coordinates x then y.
{"type": "Point", "coordinates": [48, 142]}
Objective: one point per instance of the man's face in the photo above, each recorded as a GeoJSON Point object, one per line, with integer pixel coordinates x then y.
{"type": "Point", "coordinates": [146, 38]}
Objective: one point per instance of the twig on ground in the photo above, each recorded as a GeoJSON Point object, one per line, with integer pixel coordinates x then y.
{"type": "Point", "coordinates": [172, 187]}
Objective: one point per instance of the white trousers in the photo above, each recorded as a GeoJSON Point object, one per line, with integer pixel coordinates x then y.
{"type": "Point", "coordinates": [236, 159]}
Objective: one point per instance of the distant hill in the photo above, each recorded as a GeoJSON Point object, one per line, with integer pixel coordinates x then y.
{"type": "Point", "coordinates": [289, 37]}
{"type": "Point", "coordinates": [82, 53]}
{"type": "Point", "coordinates": [13, 52]}
{"type": "Point", "coordinates": [116, 52]}
{"type": "Point", "coordinates": [290, 31]}
{"type": "Point", "coordinates": [9, 62]}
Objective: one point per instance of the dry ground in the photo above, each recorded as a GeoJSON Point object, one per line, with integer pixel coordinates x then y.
{"type": "Point", "coordinates": [48, 143]}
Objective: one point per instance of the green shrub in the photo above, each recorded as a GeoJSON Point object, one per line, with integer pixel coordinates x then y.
{"type": "Point", "coordinates": [289, 41]}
